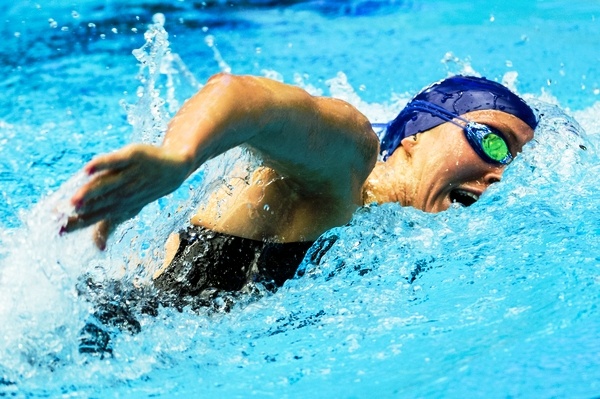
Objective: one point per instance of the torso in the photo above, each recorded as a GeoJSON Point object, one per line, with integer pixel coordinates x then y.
{"type": "Point", "coordinates": [269, 207]}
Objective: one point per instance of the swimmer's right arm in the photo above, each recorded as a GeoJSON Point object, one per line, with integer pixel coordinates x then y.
{"type": "Point", "coordinates": [324, 145]}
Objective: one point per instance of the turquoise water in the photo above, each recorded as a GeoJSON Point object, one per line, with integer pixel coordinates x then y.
{"type": "Point", "coordinates": [497, 300]}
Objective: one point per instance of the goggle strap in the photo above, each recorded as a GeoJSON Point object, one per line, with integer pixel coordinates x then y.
{"type": "Point", "coordinates": [448, 116]}
{"type": "Point", "coordinates": [378, 125]}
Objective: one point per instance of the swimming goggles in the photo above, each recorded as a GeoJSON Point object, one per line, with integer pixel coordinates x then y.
{"type": "Point", "coordinates": [487, 142]}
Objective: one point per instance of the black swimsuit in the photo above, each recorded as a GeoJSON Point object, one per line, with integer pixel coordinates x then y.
{"type": "Point", "coordinates": [205, 264]}
{"type": "Point", "coordinates": [207, 259]}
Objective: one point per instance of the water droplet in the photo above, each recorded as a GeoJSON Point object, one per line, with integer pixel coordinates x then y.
{"type": "Point", "coordinates": [509, 63]}
{"type": "Point", "coordinates": [64, 28]}
{"type": "Point", "coordinates": [596, 91]}
{"type": "Point", "coordinates": [492, 18]}
{"type": "Point", "coordinates": [159, 19]}
{"type": "Point", "coordinates": [52, 22]}
{"type": "Point", "coordinates": [102, 36]}
{"type": "Point", "coordinates": [266, 207]}
{"type": "Point", "coordinates": [91, 25]}
{"type": "Point", "coordinates": [114, 30]}
{"type": "Point", "coordinates": [75, 14]}
{"type": "Point", "coordinates": [17, 34]}
{"type": "Point", "coordinates": [134, 30]}
{"type": "Point", "coordinates": [362, 87]}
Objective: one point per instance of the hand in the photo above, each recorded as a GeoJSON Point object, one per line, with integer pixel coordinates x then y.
{"type": "Point", "coordinates": [122, 183]}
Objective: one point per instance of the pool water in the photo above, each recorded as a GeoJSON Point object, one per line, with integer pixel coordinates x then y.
{"type": "Point", "coordinates": [496, 300]}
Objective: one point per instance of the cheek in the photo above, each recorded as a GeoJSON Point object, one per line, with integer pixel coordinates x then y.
{"type": "Point", "coordinates": [463, 164]}
{"type": "Point", "coordinates": [457, 158]}
{"type": "Point", "coordinates": [450, 158]}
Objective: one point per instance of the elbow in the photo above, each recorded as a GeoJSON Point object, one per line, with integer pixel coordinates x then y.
{"type": "Point", "coordinates": [237, 90]}
{"type": "Point", "coordinates": [227, 81]}
{"type": "Point", "coordinates": [221, 79]}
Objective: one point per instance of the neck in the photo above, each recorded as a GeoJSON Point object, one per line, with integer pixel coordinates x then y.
{"type": "Point", "coordinates": [388, 180]}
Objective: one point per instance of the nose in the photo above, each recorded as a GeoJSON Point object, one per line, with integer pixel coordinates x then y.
{"type": "Point", "coordinates": [493, 176]}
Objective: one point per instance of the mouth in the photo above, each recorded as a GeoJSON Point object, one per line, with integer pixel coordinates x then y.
{"type": "Point", "coordinates": [463, 197]}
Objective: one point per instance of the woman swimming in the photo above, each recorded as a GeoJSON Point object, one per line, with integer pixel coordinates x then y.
{"type": "Point", "coordinates": [319, 164]}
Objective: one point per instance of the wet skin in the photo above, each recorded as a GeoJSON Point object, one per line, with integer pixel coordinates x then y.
{"type": "Point", "coordinates": [319, 164]}
{"type": "Point", "coordinates": [440, 166]}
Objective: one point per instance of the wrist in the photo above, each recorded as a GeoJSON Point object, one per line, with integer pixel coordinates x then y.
{"type": "Point", "coordinates": [183, 158]}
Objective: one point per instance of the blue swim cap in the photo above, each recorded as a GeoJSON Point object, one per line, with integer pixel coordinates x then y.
{"type": "Point", "coordinates": [458, 95]}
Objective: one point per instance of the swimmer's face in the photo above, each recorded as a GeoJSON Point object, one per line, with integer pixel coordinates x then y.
{"type": "Point", "coordinates": [447, 169]}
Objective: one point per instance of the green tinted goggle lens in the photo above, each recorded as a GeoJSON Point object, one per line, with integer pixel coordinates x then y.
{"type": "Point", "coordinates": [488, 143]}
{"type": "Point", "coordinates": [495, 147]}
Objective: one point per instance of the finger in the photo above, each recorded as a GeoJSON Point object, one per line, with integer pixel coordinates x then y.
{"type": "Point", "coordinates": [101, 233]}
{"type": "Point", "coordinates": [111, 171]}
{"type": "Point", "coordinates": [95, 189]}
{"type": "Point", "coordinates": [120, 197]}
{"type": "Point", "coordinates": [78, 222]}
{"type": "Point", "coordinates": [106, 227]}
{"type": "Point", "coordinates": [113, 161]}
{"type": "Point", "coordinates": [81, 221]}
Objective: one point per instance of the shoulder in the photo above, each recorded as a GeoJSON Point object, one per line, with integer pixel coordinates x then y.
{"type": "Point", "coordinates": [355, 128]}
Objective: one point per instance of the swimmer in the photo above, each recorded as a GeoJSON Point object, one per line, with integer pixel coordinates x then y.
{"type": "Point", "coordinates": [321, 160]}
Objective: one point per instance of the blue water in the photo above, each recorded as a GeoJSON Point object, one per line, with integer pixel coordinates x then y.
{"type": "Point", "coordinates": [497, 300]}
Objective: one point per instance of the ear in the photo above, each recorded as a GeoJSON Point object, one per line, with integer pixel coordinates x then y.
{"type": "Point", "coordinates": [409, 143]}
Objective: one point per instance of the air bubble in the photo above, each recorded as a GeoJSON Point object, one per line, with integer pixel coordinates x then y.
{"type": "Point", "coordinates": [75, 14]}
{"type": "Point", "coordinates": [52, 22]}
